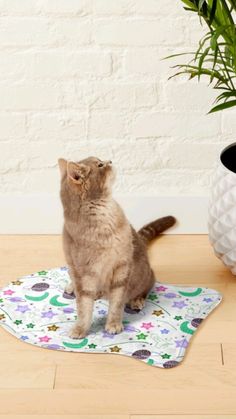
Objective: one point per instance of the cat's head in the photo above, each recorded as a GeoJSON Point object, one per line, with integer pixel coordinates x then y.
{"type": "Point", "coordinates": [90, 178]}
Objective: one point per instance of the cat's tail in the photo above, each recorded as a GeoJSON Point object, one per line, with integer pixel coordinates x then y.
{"type": "Point", "coordinates": [152, 230]}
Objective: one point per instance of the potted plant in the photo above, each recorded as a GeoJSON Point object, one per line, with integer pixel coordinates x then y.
{"type": "Point", "coordinates": [215, 58]}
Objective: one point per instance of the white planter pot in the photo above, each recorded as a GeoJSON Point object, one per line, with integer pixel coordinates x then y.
{"type": "Point", "coordinates": [222, 209]}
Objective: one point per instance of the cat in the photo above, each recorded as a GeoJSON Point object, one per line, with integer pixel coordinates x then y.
{"type": "Point", "coordinates": [106, 257]}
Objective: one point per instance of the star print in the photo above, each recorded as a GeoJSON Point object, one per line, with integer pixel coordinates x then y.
{"type": "Point", "coordinates": [208, 300]}
{"type": "Point", "coordinates": [24, 337]}
{"type": "Point", "coordinates": [22, 309]}
{"type": "Point", "coordinates": [16, 299]}
{"type": "Point", "coordinates": [178, 317]}
{"type": "Point", "coordinates": [179, 304]}
{"type": "Point", "coordinates": [165, 356]}
{"type": "Point", "coordinates": [102, 311]}
{"type": "Point", "coordinates": [68, 310]}
{"type": "Point", "coordinates": [161, 288]}
{"type": "Point", "coordinates": [1, 300]}
{"type": "Point", "coordinates": [64, 268]}
{"type": "Point", "coordinates": [141, 336]}
{"type": "Point", "coordinates": [53, 328]}
{"type": "Point", "coordinates": [8, 292]}
{"type": "Point", "coordinates": [165, 331]}
{"type": "Point", "coordinates": [147, 326]}
{"type": "Point", "coordinates": [108, 335]}
{"type": "Point", "coordinates": [44, 339]}
{"type": "Point", "coordinates": [92, 346]}
{"type": "Point", "coordinates": [30, 325]}
{"type": "Point", "coordinates": [17, 322]}
{"type": "Point", "coordinates": [129, 328]}
{"type": "Point", "coordinates": [170, 295]}
{"type": "Point", "coordinates": [42, 272]}
{"type": "Point", "coordinates": [152, 297]}
{"type": "Point", "coordinates": [115, 349]}
{"type": "Point", "coordinates": [157, 312]}
{"type": "Point", "coordinates": [48, 314]}
{"type": "Point", "coordinates": [181, 343]}
{"type": "Point", "coordinates": [17, 282]}
{"type": "Point", "coordinates": [2, 316]}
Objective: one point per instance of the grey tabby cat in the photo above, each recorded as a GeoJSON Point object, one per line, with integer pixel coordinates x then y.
{"type": "Point", "coordinates": [107, 258]}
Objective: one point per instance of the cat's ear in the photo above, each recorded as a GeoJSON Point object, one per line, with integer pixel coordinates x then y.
{"type": "Point", "coordinates": [62, 163]}
{"type": "Point", "coordinates": [77, 172]}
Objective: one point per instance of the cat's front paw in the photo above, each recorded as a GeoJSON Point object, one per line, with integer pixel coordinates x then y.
{"type": "Point", "coordinates": [69, 289]}
{"type": "Point", "coordinates": [137, 303]}
{"type": "Point", "coordinates": [114, 328]}
{"type": "Point", "coordinates": [77, 332]}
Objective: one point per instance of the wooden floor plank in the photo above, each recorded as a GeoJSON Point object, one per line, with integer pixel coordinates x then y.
{"type": "Point", "coordinates": [203, 368]}
{"type": "Point", "coordinates": [108, 402]}
{"type": "Point", "coordinates": [41, 382]}
{"type": "Point", "coordinates": [190, 260]}
{"type": "Point", "coordinates": [181, 417]}
{"type": "Point", "coordinates": [27, 371]}
{"type": "Point", "coordinates": [66, 417]}
{"type": "Point", "coordinates": [229, 354]}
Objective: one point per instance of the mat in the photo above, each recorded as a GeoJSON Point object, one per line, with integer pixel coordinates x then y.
{"type": "Point", "coordinates": [37, 310]}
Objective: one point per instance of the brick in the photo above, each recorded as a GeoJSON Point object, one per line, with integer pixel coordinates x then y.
{"type": "Point", "coordinates": [28, 96]}
{"type": "Point", "coordinates": [55, 64]}
{"type": "Point", "coordinates": [150, 62]}
{"type": "Point", "coordinates": [107, 125]}
{"type": "Point", "coordinates": [113, 7]}
{"type": "Point", "coordinates": [75, 95]}
{"type": "Point", "coordinates": [12, 182]}
{"type": "Point", "coordinates": [75, 31]}
{"type": "Point", "coordinates": [145, 153]}
{"type": "Point", "coordinates": [123, 95]}
{"type": "Point", "coordinates": [52, 7]}
{"type": "Point", "coordinates": [13, 156]}
{"type": "Point", "coordinates": [187, 95]}
{"type": "Point", "coordinates": [163, 182]}
{"type": "Point", "coordinates": [136, 7]}
{"type": "Point", "coordinates": [16, 7]}
{"type": "Point", "coordinates": [65, 7]}
{"type": "Point", "coordinates": [139, 155]}
{"type": "Point", "coordinates": [182, 125]}
{"type": "Point", "coordinates": [12, 126]}
{"type": "Point", "coordinates": [159, 8]}
{"type": "Point", "coordinates": [44, 154]}
{"type": "Point", "coordinates": [39, 177]}
{"type": "Point", "coordinates": [27, 31]}
{"type": "Point", "coordinates": [195, 31]}
{"type": "Point", "coordinates": [190, 156]}
{"type": "Point", "coordinates": [138, 32]}
{"type": "Point", "coordinates": [60, 126]}
{"type": "Point", "coordinates": [143, 61]}
{"type": "Point", "coordinates": [229, 124]}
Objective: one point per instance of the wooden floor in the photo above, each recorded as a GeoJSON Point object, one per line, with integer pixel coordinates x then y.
{"type": "Point", "coordinates": [39, 383]}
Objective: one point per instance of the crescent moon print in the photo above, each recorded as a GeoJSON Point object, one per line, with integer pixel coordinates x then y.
{"type": "Point", "coordinates": [37, 310]}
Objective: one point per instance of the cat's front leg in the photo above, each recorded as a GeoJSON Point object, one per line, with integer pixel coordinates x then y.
{"type": "Point", "coordinates": [85, 301]}
{"type": "Point", "coordinates": [117, 300]}
{"type": "Point", "coordinates": [69, 288]}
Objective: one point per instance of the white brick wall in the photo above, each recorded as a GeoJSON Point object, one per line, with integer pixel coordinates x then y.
{"type": "Point", "coordinates": [81, 77]}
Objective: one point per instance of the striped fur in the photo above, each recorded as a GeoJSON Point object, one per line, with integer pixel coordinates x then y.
{"type": "Point", "coordinates": [152, 230]}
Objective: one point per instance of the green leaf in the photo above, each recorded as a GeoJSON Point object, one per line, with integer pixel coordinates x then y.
{"type": "Point", "coordinates": [201, 60]}
{"type": "Point", "coordinates": [222, 106]}
{"type": "Point", "coordinates": [226, 95]}
{"type": "Point", "coordinates": [213, 11]}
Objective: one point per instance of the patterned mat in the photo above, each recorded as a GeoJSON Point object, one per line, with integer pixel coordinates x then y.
{"type": "Point", "coordinates": [36, 310]}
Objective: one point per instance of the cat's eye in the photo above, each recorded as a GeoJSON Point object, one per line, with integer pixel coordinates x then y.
{"type": "Point", "coordinates": [100, 165]}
